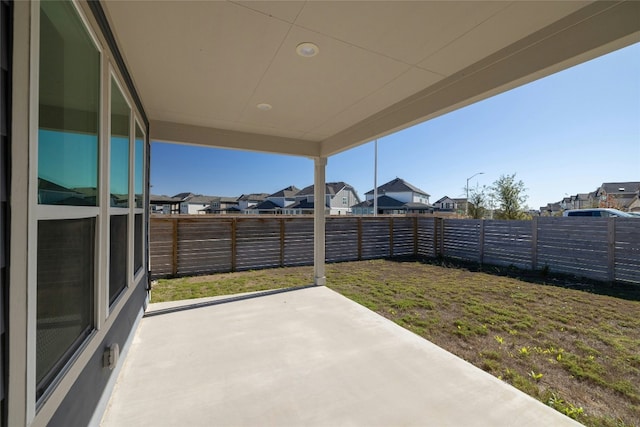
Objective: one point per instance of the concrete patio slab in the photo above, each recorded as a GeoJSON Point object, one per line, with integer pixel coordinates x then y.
{"type": "Point", "coordinates": [310, 357]}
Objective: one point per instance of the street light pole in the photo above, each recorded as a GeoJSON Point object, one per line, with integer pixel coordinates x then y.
{"type": "Point", "coordinates": [467, 202]}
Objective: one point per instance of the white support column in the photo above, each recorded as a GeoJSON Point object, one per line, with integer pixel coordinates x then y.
{"type": "Point", "coordinates": [320, 164]}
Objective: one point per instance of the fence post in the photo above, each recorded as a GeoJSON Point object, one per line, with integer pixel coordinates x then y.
{"type": "Point", "coordinates": [281, 242]}
{"type": "Point", "coordinates": [481, 242]}
{"type": "Point", "coordinates": [442, 236]}
{"type": "Point", "coordinates": [390, 236]}
{"type": "Point", "coordinates": [234, 228]}
{"type": "Point", "coordinates": [435, 237]}
{"type": "Point", "coordinates": [174, 258]}
{"type": "Point", "coordinates": [534, 243]}
{"type": "Point", "coordinates": [611, 248]}
{"type": "Point", "coordinates": [415, 236]}
{"type": "Point", "coordinates": [438, 237]}
{"type": "Point", "coordinates": [359, 238]}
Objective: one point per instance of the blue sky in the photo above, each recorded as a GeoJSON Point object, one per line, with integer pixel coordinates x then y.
{"type": "Point", "coordinates": [561, 135]}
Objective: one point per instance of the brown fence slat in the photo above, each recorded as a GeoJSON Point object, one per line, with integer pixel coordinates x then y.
{"type": "Point", "coordinates": [597, 248]}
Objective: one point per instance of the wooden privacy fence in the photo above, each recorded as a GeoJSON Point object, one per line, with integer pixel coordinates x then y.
{"type": "Point", "coordinates": [189, 245]}
{"type": "Point", "coordinates": [599, 248]}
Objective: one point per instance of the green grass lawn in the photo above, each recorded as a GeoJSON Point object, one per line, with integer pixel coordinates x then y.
{"type": "Point", "coordinates": [576, 351]}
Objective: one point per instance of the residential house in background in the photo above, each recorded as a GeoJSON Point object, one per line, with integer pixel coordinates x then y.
{"type": "Point", "coordinates": [401, 190]}
{"type": "Point", "coordinates": [619, 195]}
{"type": "Point", "coordinates": [247, 201]}
{"type": "Point", "coordinates": [194, 204]}
{"type": "Point", "coordinates": [339, 197]}
{"type": "Point", "coordinates": [164, 204]}
{"type": "Point", "coordinates": [583, 200]}
{"type": "Point", "coordinates": [624, 196]}
{"type": "Point", "coordinates": [222, 206]}
{"type": "Point", "coordinates": [445, 203]}
{"type": "Point", "coordinates": [450, 205]}
{"type": "Point", "coordinates": [395, 197]}
{"type": "Point", "coordinates": [386, 206]}
{"type": "Point", "coordinates": [552, 209]}
{"type": "Point", "coordinates": [274, 203]}
{"type": "Point", "coordinates": [190, 204]}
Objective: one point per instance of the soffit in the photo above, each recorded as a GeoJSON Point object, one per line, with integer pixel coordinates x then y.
{"type": "Point", "coordinates": [208, 64]}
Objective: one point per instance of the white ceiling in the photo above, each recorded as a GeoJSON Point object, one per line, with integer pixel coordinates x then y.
{"type": "Point", "coordinates": [202, 67]}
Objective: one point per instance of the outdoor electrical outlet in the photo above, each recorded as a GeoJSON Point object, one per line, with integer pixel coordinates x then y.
{"type": "Point", "coordinates": [110, 357]}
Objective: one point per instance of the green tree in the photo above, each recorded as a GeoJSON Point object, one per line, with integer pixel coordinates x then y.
{"type": "Point", "coordinates": [508, 195]}
{"type": "Point", "coordinates": [478, 201]}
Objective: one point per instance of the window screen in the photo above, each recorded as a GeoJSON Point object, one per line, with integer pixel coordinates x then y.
{"type": "Point", "coordinates": [137, 256]}
{"type": "Point", "coordinates": [117, 256]}
{"type": "Point", "coordinates": [65, 292]}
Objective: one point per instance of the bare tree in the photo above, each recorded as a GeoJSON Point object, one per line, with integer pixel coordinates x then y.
{"type": "Point", "coordinates": [478, 202]}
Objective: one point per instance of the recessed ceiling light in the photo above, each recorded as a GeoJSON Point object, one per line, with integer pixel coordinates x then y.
{"type": "Point", "coordinates": [264, 107]}
{"type": "Point", "coordinates": [307, 49]}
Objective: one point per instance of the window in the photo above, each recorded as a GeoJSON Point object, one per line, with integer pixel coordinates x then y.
{"type": "Point", "coordinates": [119, 183]}
{"type": "Point", "coordinates": [344, 201]}
{"type": "Point", "coordinates": [88, 205]}
{"type": "Point", "coordinates": [68, 142]}
{"type": "Point", "coordinates": [138, 190]}
{"type": "Point", "coordinates": [68, 110]}
{"type": "Point", "coordinates": [139, 168]}
{"type": "Point", "coordinates": [119, 193]}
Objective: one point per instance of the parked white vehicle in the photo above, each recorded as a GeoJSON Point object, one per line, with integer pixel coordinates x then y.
{"type": "Point", "coordinates": [600, 212]}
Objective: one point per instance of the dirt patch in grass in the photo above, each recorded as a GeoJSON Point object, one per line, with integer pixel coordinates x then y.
{"type": "Point", "coordinates": [576, 351]}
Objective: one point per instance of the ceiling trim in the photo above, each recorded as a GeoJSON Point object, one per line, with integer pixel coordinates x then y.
{"type": "Point", "coordinates": [161, 131]}
{"type": "Point", "coordinates": [594, 30]}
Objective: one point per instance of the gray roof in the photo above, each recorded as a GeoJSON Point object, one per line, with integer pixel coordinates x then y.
{"type": "Point", "coordinates": [331, 188]}
{"type": "Point", "coordinates": [417, 205]}
{"type": "Point", "coordinates": [253, 197]}
{"type": "Point", "coordinates": [442, 199]}
{"type": "Point", "coordinates": [288, 192]}
{"type": "Point", "coordinates": [224, 199]}
{"type": "Point", "coordinates": [163, 199]}
{"type": "Point", "coordinates": [630, 188]}
{"type": "Point", "coordinates": [201, 199]}
{"type": "Point", "coordinates": [398, 185]}
{"type": "Point", "coordinates": [267, 205]}
{"type": "Point", "coordinates": [182, 196]}
{"type": "Point", "coordinates": [303, 204]}
{"type": "Point", "coordinates": [383, 203]}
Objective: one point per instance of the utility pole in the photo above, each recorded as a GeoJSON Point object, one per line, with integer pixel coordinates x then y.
{"type": "Point", "coordinates": [375, 180]}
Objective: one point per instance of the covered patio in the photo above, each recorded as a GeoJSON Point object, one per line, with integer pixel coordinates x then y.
{"type": "Point", "coordinates": [299, 78]}
{"type": "Point", "coordinates": [304, 357]}
{"type": "Point", "coordinates": [314, 78]}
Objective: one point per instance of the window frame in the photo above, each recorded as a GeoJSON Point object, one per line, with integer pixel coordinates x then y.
{"type": "Point", "coordinates": [135, 123]}
{"type": "Point", "coordinates": [25, 409]}
{"type": "Point", "coordinates": [39, 212]}
{"type": "Point", "coordinates": [113, 211]}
